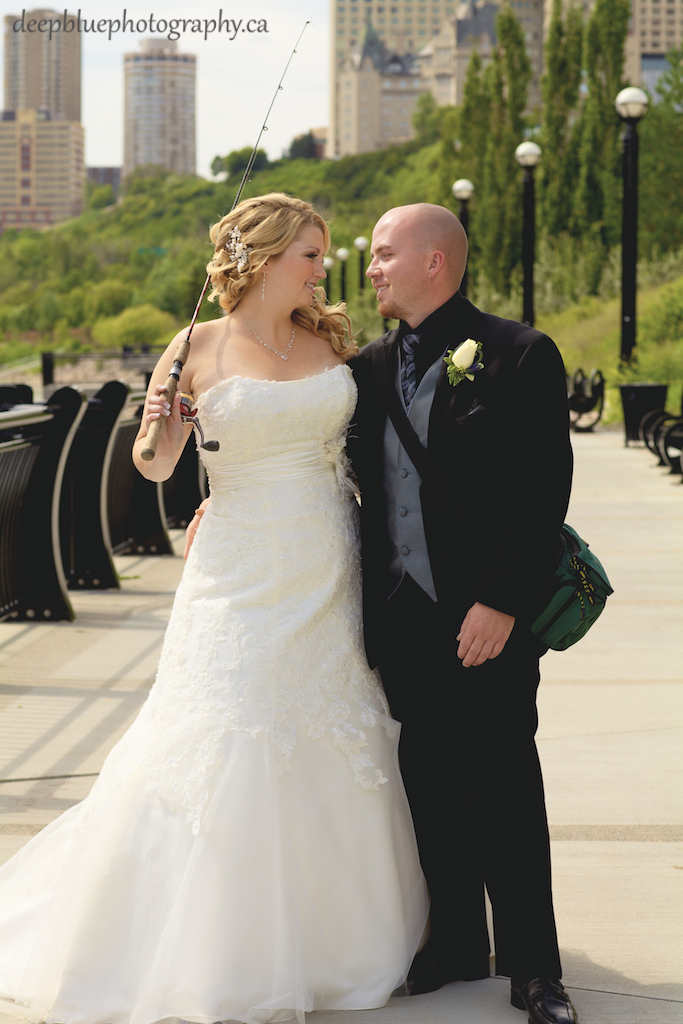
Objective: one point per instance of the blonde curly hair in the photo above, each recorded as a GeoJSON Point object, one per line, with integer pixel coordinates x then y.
{"type": "Point", "coordinates": [268, 224]}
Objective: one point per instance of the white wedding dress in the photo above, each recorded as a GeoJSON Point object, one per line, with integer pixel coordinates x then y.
{"type": "Point", "coordinates": [247, 852]}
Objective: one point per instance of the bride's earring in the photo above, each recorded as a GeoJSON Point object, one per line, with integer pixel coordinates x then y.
{"type": "Point", "coordinates": [263, 288]}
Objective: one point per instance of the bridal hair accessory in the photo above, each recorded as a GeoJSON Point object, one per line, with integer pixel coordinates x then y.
{"type": "Point", "coordinates": [282, 355]}
{"type": "Point", "coordinates": [237, 250]}
{"type": "Point", "coordinates": [183, 350]}
{"type": "Point", "coordinates": [464, 361]}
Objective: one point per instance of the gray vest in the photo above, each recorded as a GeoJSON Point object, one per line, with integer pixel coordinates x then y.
{"type": "Point", "coordinates": [401, 483]}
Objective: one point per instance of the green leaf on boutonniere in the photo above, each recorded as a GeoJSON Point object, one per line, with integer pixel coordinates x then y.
{"type": "Point", "coordinates": [464, 361]}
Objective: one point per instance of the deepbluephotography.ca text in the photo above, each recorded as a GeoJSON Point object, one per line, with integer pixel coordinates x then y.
{"type": "Point", "coordinates": [171, 28]}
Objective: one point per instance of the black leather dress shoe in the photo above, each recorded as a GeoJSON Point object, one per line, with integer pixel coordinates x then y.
{"type": "Point", "coordinates": [428, 974]}
{"type": "Point", "coordinates": [545, 1000]}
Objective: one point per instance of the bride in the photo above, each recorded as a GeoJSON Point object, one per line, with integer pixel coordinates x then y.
{"type": "Point", "coordinates": [247, 852]}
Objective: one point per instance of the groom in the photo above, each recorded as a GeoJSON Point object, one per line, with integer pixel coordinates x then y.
{"type": "Point", "coordinates": [459, 542]}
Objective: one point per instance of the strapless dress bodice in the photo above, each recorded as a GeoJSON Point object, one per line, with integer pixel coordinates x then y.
{"type": "Point", "coordinates": [257, 419]}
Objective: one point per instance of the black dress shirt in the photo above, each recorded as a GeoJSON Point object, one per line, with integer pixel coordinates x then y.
{"type": "Point", "coordinates": [431, 334]}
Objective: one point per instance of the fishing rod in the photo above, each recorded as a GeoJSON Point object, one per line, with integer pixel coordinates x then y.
{"type": "Point", "coordinates": [183, 350]}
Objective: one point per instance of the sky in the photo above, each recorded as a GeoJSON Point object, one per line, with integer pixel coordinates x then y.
{"type": "Point", "coordinates": [237, 73]}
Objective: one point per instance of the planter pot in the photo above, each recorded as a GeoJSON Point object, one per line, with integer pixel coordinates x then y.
{"type": "Point", "coordinates": [638, 399]}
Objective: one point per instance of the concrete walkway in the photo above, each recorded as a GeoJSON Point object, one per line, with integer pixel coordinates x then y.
{"type": "Point", "coordinates": [611, 712]}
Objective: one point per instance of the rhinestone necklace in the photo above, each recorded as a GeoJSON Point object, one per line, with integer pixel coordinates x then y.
{"type": "Point", "coordinates": [282, 355]}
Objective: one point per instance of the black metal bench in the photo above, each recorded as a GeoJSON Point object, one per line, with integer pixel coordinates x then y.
{"type": "Point", "coordinates": [15, 394]}
{"type": "Point", "coordinates": [139, 511]}
{"type": "Point", "coordinates": [586, 398]}
{"type": "Point", "coordinates": [35, 441]}
{"type": "Point", "coordinates": [670, 445]}
{"type": "Point", "coordinates": [135, 506]}
{"type": "Point", "coordinates": [83, 525]}
{"type": "Point", "coordinates": [661, 432]}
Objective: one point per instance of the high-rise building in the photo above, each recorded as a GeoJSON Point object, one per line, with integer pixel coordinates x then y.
{"type": "Point", "coordinates": [444, 61]}
{"type": "Point", "coordinates": [658, 26]}
{"type": "Point", "coordinates": [655, 27]}
{"type": "Point", "coordinates": [159, 108]}
{"type": "Point", "coordinates": [441, 33]}
{"type": "Point", "coordinates": [377, 95]}
{"type": "Point", "coordinates": [404, 26]}
{"type": "Point", "coordinates": [43, 70]}
{"type": "Point", "coordinates": [42, 172]}
{"type": "Point", "coordinates": [98, 176]}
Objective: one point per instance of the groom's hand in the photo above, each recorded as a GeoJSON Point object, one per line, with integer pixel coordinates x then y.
{"type": "Point", "coordinates": [483, 634]}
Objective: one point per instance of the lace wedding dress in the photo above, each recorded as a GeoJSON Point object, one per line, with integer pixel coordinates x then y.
{"type": "Point", "coordinates": [247, 852]}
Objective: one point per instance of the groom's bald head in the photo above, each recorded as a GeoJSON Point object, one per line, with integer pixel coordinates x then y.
{"type": "Point", "coordinates": [419, 254]}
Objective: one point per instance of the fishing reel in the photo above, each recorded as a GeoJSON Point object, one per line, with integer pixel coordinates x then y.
{"type": "Point", "coordinates": [189, 415]}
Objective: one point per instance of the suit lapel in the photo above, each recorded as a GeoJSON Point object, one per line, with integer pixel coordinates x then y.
{"type": "Point", "coordinates": [451, 403]}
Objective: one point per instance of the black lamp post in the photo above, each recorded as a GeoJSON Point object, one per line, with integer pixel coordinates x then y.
{"type": "Point", "coordinates": [361, 243]}
{"type": "Point", "coordinates": [342, 256]}
{"type": "Point", "coordinates": [463, 190]}
{"type": "Point", "coordinates": [328, 263]}
{"type": "Point", "coordinates": [527, 156]}
{"type": "Point", "coordinates": [631, 104]}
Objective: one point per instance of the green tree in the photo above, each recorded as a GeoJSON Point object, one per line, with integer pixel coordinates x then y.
{"type": "Point", "coordinates": [236, 162]}
{"type": "Point", "coordinates": [471, 130]}
{"type": "Point", "coordinates": [596, 216]}
{"type": "Point", "coordinates": [660, 165]}
{"type": "Point", "coordinates": [139, 325]}
{"type": "Point", "coordinates": [560, 92]}
{"type": "Point", "coordinates": [107, 298]}
{"type": "Point", "coordinates": [47, 310]}
{"type": "Point", "coordinates": [303, 147]}
{"type": "Point", "coordinates": [100, 197]}
{"type": "Point", "coordinates": [427, 119]}
{"type": "Point", "coordinates": [499, 213]}
{"type": "Point", "coordinates": [144, 178]}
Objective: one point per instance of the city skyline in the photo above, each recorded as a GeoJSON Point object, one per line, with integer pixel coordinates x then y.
{"type": "Point", "coordinates": [235, 79]}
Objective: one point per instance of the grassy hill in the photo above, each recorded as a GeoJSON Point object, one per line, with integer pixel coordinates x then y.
{"type": "Point", "coordinates": [588, 336]}
{"type": "Point", "coordinates": [131, 273]}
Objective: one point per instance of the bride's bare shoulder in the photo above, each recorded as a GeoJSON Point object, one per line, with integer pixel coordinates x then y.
{"type": "Point", "coordinates": [206, 333]}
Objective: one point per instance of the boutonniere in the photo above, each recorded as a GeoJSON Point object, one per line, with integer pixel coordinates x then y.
{"type": "Point", "coordinates": [464, 361]}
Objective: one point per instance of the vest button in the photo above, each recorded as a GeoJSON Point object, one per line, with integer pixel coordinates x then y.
{"type": "Point", "coordinates": [405, 550]}
{"type": "Point", "coordinates": [403, 511]}
{"type": "Point", "coordinates": [403, 474]}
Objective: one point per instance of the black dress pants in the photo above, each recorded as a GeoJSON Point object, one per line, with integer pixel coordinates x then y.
{"type": "Point", "coordinates": [473, 778]}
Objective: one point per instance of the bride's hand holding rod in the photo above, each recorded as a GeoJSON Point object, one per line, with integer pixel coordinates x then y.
{"type": "Point", "coordinates": [172, 432]}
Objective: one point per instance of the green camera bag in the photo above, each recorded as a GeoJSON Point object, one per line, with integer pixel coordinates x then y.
{"type": "Point", "coordinates": [577, 596]}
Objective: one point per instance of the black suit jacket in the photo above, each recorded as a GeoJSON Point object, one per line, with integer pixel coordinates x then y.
{"type": "Point", "coordinates": [501, 446]}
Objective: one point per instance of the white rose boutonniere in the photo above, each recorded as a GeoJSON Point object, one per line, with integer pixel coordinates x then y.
{"type": "Point", "coordinates": [464, 361]}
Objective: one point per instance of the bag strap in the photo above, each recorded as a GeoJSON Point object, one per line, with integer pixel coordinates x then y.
{"type": "Point", "coordinates": [416, 451]}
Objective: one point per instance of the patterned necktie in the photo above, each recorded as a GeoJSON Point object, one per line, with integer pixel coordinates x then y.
{"type": "Point", "coordinates": [408, 372]}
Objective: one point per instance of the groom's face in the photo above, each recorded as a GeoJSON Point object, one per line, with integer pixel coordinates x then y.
{"type": "Point", "coordinates": [398, 269]}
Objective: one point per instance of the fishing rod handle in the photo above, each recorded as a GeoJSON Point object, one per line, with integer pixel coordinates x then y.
{"type": "Point", "coordinates": [156, 427]}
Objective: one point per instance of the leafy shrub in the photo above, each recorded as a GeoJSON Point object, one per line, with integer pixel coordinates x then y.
{"type": "Point", "coordinates": [105, 299]}
{"type": "Point", "coordinates": [139, 325]}
{"type": "Point", "coordinates": [101, 196]}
